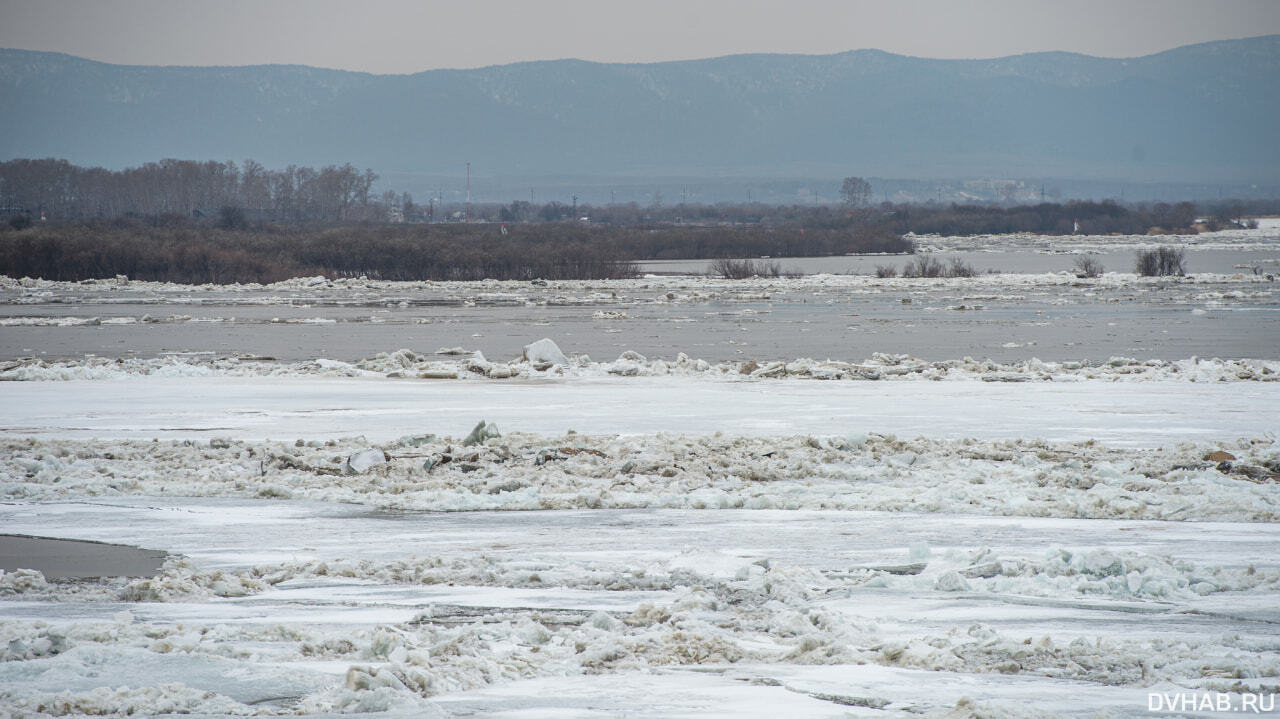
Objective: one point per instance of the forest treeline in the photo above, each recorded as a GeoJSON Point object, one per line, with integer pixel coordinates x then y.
{"type": "Point", "coordinates": [243, 195]}
{"type": "Point", "coordinates": [197, 253]}
{"type": "Point", "coordinates": [59, 191]}
{"type": "Point", "coordinates": [187, 221]}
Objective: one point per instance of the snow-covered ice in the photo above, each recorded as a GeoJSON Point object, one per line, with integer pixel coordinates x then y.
{"type": "Point", "coordinates": [459, 602]}
{"type": "Point", "coordinates": [1130, 413]}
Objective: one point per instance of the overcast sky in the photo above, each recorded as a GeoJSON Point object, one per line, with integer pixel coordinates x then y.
{"type": "Point", "coordinates": [403, 36]}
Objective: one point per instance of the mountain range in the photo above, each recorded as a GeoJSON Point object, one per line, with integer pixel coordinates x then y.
{"type": "Point", "coordinates": [1207, 112]}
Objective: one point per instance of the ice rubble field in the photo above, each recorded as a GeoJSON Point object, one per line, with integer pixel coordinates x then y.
{"type": "Point", "coordinates": [875, 538]}
{"type": "Point", "coordinates": [863, 572]}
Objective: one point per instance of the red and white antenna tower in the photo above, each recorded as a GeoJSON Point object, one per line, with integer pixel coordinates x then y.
{"type": "Point", "coordinates": [468, 192]}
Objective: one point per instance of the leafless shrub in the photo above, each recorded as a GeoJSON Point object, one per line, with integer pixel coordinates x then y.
{"type": "Point", "coordinates": [923, 266]}
{"type": "Point", "coordinates": [927, 266]}
{"type": "Point", "coordinates": [1147, 265]}
{"type": "Point", "coordinates": [1088, 267]}
{"type": "Point", "coordinates": [886, 271]}
{"type": "Point", "coordinates": [731, 269]}
{"type": "Point", "coordinates": [958, 268]}
{"type": "Point", "coordinates": [1163, 261]}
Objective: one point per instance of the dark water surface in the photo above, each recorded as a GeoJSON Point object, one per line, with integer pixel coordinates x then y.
{"type": "Point", "coordinates": [998, 317]}
{"type": "Point", "coordinates": [77, 559]}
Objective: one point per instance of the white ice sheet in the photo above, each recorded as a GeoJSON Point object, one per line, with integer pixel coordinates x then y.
{"type": "Point", "coordinates": [1124, 414]}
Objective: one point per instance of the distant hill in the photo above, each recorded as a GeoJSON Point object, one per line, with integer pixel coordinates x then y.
{"type": "Point", "coordinates": [1208, 112]}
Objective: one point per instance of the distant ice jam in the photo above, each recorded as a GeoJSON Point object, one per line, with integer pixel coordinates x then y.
{"type": "Point", "coordinates": [1211, 702]}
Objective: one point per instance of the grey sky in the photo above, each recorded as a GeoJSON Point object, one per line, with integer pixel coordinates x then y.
{"type": "Point", "coordinates": [402, 36]}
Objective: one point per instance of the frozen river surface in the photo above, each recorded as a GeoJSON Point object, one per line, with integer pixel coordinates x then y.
{"type": "Point", "coordinates": [707, 534]}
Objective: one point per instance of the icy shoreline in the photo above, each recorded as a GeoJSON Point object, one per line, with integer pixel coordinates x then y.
{"type": "Point", "coordinates": [702, 287]}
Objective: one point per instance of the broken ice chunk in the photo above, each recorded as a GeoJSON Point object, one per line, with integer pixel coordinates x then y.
{"type": "Point", "coordinates": [480, 433]}
{"type": "Point", "coordinates": [364, 460]}
{"type": "Point", "coordinates": [544, 351]}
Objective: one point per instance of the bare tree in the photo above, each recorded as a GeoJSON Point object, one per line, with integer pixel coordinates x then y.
{"type": "Point", "coordinates": [855, 191]}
